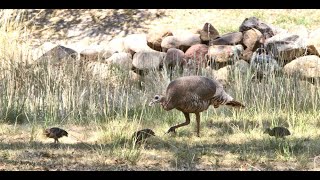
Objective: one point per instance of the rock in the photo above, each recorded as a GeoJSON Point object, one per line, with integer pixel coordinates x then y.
{"type": "Point", "coordinates": [241, 66]}
{"type": "Point", "coordinates": [186, 38]}
{"type": "Point", "coordinates": [286, 47]}
{"type": "Point", "coordinates": [89, 55]}
{"type": "Point", "coordinates": [251, 39]}
{"type": "Point", "coordinates": [116, 45]}
{"type": "Point", "coordinates": [170, 42]}
{"type": "Point", "coordinates": [198, 54]}
{"type": "Point", "coordinates": [154, 39]}
{"type": "Point", "coordinates": [174, 58]}
{"type": "Point", "coordinates": [208, 33]}
{"type": "Point", "coordinates": [57, 54]}
{"type": "Point", "coordinates": [224, 53]}
{"type": "Point", "coordinates": [135, 43]}
{"type": "Point", "coordinates": [306, 67]}
{"type": "Point", "coordinates": [123, 60]}
{"type": "Point", "coordinates": [254, 22]}
{"type": "Point", "coordinates": [228, 39]}
{"type": "Point", "coordinates": [102, 49]}
{"type": "Point", "coordinates": [145, 60]}
{"type": "Point", "coordinates": [246, 55]}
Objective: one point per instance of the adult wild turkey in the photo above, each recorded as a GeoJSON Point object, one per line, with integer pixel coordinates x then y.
{"type": "Point", "coordinates": [278, 132]}
{"type": "Point", "coordinates": [194, 94]}
{"type": "Point", "coordinates": [55, 133]}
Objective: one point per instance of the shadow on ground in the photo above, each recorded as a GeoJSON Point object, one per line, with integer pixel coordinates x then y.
{"type": "Point", "coordinates": [80, 23]}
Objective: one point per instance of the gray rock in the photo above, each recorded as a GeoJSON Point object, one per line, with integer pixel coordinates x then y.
{"type": "Point", "coordinates": [306, 67]}
{"type": "Point", "coordinates": [254, 22]}
{"type": "Point", "coordinates": [228, 39]}
{"type": "Point", "coordinates": [58, 54]}
{"type": "Point", "coordinates": [89, 55]}
{"type": "Point", "coordinates": [225, 53]}
{"type": "Point", "coordinates": [145, 60]}
{"type": "Point", "coordinates": [208, 32]}
{"type": "Point", "coordinates": [186, 38]}
{"type": "Point", "coordinates": [154, 39]}
{"type": "Point", "coordinates": [135, 43]}
{"type": "Point", "coordinates": [123, 60]}
{"type": "Point", "coordinates": [170, 42]}
{"type": "Point", "coordinates": [174, 57]}
{"type": "Point", "coordinates": [286, 47]}
{"type": "Point", "coordinates": [252, 39]}
{"type": "Point", "coordinates": [241, 66]}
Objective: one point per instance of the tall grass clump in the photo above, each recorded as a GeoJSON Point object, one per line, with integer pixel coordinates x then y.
{"type": "Point", "coordinates": [57, 91]}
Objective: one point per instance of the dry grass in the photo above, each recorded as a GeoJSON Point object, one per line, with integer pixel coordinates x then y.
{"type": "Point", "coordinates": [229, 20]}
{"type": "Point", "coordinates": [102, 114]}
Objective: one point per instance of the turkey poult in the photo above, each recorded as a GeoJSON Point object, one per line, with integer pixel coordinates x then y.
{"type": "Point", "coordinates": [278, 132]}
{"type": "Point", "coordinates": [55, 133]}
{"type": "Point", "coordinates": [142, 135]}
{"type": "Point", "coordinates": [193, 94]}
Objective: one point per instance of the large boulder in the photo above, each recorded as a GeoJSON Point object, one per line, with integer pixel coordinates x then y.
{"type": "Point", "coordinates": [174, 57]}
{"type": "Point", "coordinates": [286, 47]}
{"type": "Point", "coordinates": [228, 39]}
{"type": "Point", "coordinates": [306, 67]}
{"type": "Point", "coordinates": [90, 55]}
{"type": "Point", "coordinates": [225, 53]}
{"type": "Point", "coordinates": [186, 39]}
{"type": "Point", "coordinates": [252, 39]}
{"type": "Point", "coordinates": [241, 66]}
{"type": "Point", "coordinates": [247, 55]}
{"type": "Point", "coordinates": [207, 33]}
{"type": "Point", "coordinates": [58, 54]}
{"type": "Point", "coordinates": [198, 54]}
{"type": "Point", "coordinates": [123, 60]}
{"type": "Point", "coordinates": [170, 42]}
{"type": "Point", "coordinates": [135, 43]}
{"type": "Point", "coordinates": [155, 38]}
{"type": "Point", "coordinates": [146, 60]}
{"type": "Point", "coordinates": [181, 39]}
{"type": "Point", "coordinates": [254, 22]}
